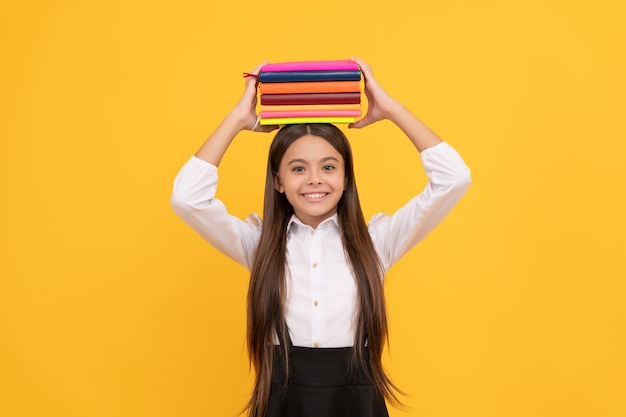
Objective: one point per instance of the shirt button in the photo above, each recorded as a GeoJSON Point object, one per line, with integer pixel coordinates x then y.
{"type": "Point", "coordinates": [312, 232]}
{"type": "Point", "coordinates": [314, 265]}
{"type": "Point", "coordinates": [316, 303]}
{"type": "Point", "coordinates": [316, 344]}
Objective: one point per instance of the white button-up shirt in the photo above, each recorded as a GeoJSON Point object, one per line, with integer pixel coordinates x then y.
{"type": "Point", "coordinates": [321, 298]}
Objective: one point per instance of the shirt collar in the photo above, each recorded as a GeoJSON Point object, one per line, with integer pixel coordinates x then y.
{"type": "Point", "coordinates": [296, 220]}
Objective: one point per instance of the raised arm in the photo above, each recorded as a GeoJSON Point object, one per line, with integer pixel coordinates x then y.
{"type": "Point", "coordinates": [193, 196]}
{"type": "Point", "coordinates": [382, 106]}
{"type": "Point", "coordinates": [447, 173]}
{"type": "Point", "coordinates": [242, 117]}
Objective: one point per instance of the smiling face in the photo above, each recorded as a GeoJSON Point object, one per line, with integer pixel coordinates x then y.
{"type": "Point", "coordinates": [312, 177]}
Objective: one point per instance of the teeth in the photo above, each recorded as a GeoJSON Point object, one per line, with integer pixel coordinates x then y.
{"type": "Point", "coordinates": [316, 195]}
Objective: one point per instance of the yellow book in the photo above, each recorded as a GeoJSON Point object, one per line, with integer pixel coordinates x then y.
{"type": "Point", "coordinates": [300, 120]}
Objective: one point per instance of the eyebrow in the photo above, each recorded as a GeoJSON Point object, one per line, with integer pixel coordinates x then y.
{"type": "Point", "coordinates": [304, 161]}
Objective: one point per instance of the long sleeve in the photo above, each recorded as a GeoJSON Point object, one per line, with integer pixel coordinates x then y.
{"type": "Point", "coordinates": [449, 177]}
{"type": "Point", "coordinates": [193, 199]}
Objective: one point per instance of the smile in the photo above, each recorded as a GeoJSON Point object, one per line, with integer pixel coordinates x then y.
{"type": "Point", "coordinates": [314, 196]}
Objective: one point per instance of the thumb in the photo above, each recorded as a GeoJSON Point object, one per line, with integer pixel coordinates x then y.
{"type": "Point", "coordinates": [266, 128]}
{"type": "Point", "coordinates": [359, 123]}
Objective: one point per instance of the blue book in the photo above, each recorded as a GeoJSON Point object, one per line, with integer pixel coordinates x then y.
{"type": "Point", "coordinates": [306, 76]}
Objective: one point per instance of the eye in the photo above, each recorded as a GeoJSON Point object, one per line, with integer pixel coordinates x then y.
{"type": "Point", "coordinates": [328, 168]}
{"type": "Point", "coordinates": [297, 169]}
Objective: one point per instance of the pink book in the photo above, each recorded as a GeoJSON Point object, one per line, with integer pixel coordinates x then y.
{"type": "Point", "coordinates": [315, 113]}
{"type": "Point", "coordinates": [336, 65]}
{"type": "Point", "coordinates": [297, 120]}
{"type": "Point", "coordinates": [311, 107]}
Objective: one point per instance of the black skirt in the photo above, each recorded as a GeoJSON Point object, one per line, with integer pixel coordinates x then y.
{"type": "Point", "coordinates": [322, 382]}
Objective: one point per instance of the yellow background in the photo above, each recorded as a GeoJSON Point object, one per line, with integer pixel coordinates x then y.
{"type": "Point", "coordinates": [111, 306]}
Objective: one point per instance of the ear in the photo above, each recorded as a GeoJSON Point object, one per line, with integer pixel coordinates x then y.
{"type": "Point", "coordinates": [278, 185]}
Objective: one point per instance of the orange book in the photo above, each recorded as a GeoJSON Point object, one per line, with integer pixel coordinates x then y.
{"type": "Point", "coordinates": [312, 87]}
{"type": "Point", "coordinates": [311, 107]}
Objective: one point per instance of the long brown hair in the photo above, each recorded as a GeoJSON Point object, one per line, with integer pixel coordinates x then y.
{"type": "Point", "coordinates": [266, 293]}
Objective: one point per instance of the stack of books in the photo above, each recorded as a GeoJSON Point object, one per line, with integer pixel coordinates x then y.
{"type": "Point", "coordinates": [310, 92]}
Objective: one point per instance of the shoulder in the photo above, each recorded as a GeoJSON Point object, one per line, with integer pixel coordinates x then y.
{"type": "Point", "coordinates": [255, 221]}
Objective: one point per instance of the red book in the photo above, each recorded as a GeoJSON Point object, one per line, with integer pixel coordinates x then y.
{"type": "Point", "coordinates": [311, 98]}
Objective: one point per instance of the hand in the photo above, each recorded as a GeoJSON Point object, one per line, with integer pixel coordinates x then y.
{"type": "Point", "coordinates": [380, 105]}
{"type": "Point", "coordinates": [245, 110]}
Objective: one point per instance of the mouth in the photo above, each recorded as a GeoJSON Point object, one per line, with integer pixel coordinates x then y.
{"type": "Point", "coordinates": [315, 196]}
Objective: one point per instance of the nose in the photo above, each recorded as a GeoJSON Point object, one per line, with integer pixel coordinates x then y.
{"type": "Point", "coordinates": [314, 178]}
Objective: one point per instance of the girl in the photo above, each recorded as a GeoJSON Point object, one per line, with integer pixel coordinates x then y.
{"type": "Point", "coordinates": [316, 310]}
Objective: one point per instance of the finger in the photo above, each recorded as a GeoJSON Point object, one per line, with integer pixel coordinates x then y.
{"type": "Point", "coordinates": [253, 80]}
{"type": "Point", "coordinates": [365, 68]}
{"type": "Point", "coordinates": [258, 127]}
{"type": "Point", "coordinates": [359, 123]}
{"type": "Point", "coordinates": [266, 128]}
{"type": "Point", "coordinates": [257, 69]}
{"type": "Point", "coordinates": [271, 128]}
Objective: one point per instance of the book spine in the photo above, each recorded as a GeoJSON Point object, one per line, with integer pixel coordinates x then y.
{"type": "Point", "coordinates": [310, 107]}
{"type": "Point", "coordinates": [310, 76]}
{"type": "Point", "coordinates": [311, 98]}
{"type": "Point", "coordinates": [304, 87]}
{"type": "Point", "coordinates": [329, 65]}
{"type": "Point", "coordinates": [318, 113]}
{"type": "Point", "coordinates": [298, 120]}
